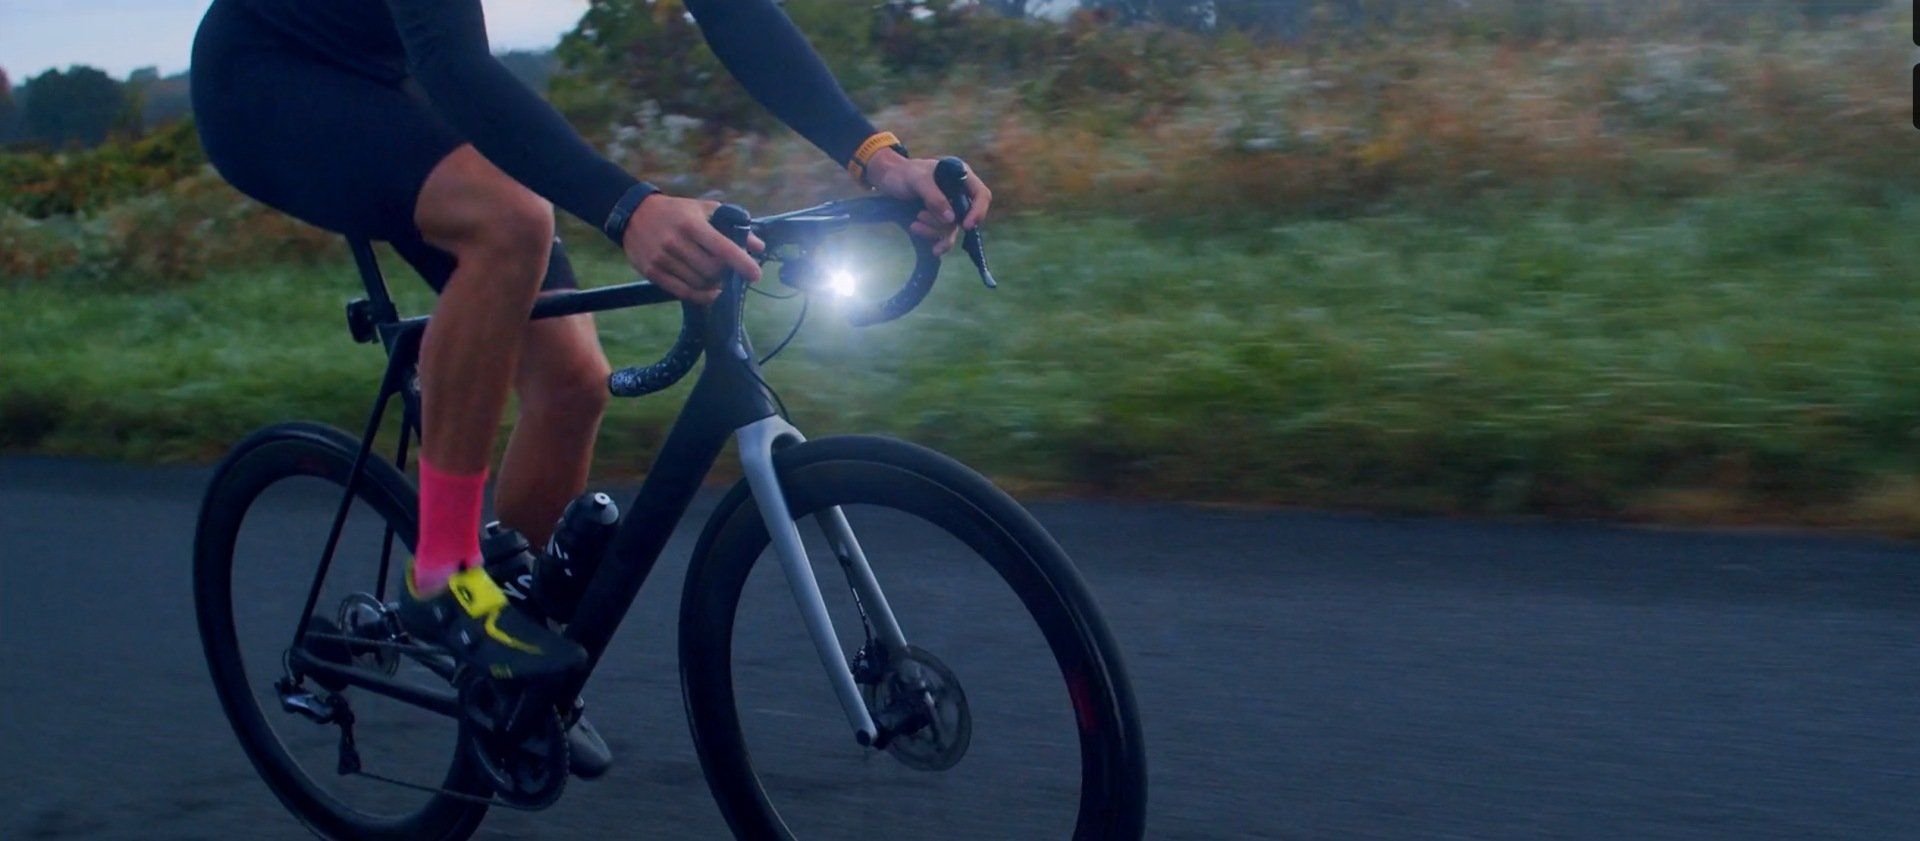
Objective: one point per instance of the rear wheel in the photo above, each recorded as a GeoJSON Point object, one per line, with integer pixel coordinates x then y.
{"type": "Point", "coordinates": [262, 531]}
{"type": "Point", "coordinates": [1021, 718]}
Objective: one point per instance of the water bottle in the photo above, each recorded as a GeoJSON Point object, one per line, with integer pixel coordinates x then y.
{"type": "Point", "coordinates": [509, 561]}
{"type": "Point", "coordinates": [574, 552]}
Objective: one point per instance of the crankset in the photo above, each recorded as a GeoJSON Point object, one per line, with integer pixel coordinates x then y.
{"type": "Point", "coordinates": [919, 707]}
{"type": "Point", "coordinates": [528, 766]}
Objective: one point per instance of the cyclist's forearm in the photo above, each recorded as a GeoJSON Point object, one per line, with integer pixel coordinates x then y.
{"type": "Point", "coordinates": [446, 43]}
{"type": "Point", "coordinates": [761, 47]}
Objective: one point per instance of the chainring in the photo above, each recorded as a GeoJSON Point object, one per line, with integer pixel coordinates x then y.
{"type": "Point", "coordinates": [528, 770]}
{"type": "Point", "coordinates": [920, 700]}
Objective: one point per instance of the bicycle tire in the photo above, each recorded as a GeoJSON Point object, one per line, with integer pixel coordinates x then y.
{"type": "Point", "coordinates": [263, 459]}
{"type": "Point", "coordinates": [863, 470]}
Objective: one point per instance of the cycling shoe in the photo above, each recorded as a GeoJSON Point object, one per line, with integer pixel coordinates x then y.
{"type": "Point", "coordinates": [474, 622]}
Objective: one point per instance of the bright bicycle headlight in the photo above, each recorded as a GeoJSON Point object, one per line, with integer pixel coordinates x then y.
{"type": "Point", "coordinates": [843, 283]}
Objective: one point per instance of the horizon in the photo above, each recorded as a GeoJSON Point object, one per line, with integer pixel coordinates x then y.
{"type": "Point", "coordinates": [121, 36]}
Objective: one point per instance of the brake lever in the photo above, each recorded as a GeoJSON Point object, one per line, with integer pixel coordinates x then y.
{"type": "Point", "coordinates": [951, 175]}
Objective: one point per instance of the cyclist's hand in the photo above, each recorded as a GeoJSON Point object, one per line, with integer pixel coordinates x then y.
{"type": "Point", "coordinates": [912, 179]}
{"type": "Point", "coordinates": [671, 243]}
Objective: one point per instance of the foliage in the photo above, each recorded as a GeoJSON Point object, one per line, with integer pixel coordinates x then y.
{"type": "Point", "coordinates": [1498, 20]}
{"type": "Point", "coordinates": [1620, 357]}
{"type": "Point", "coordinates": [159, 100]}
{"type": "Point", "coordinates": [156, 239]}
{"type": "Point", "coordinates": [80, 106]}
{"type": "Point", "coordinates": [1467, 260]}
{"type": "Point", "coordinates": [631, 56]}
{"type": "Point", "coordinates": [8, 110]}
{"type": "Point", "coordinates": [1210, 133]}
{"type": "Point", "coordinates": [535, 68]}
{"type": "Point", "coordinates": [39, 185]}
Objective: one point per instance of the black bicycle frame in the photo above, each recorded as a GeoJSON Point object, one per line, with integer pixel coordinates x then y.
{"type": "Point", "coordinates": [728, 395]}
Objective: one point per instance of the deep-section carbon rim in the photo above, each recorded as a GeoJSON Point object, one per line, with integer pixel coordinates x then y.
{"type": "Point", "coordinates": [884, 473]}
{"type": "Point", "coordinates": [263, 460]}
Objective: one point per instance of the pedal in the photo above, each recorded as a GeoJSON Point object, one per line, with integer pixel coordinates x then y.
{"type": "Point", "coordinates": [590, 756]}
{"type": "Point", "coordinates": [315, 708]}
{"type": "Point", "coordinates": [323, 709]}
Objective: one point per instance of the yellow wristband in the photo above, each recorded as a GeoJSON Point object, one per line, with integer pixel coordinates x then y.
{"type": "Point", "coordinates": [857, 167]}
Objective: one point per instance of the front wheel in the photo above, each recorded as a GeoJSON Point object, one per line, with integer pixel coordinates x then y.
{"type": "Point", "coordinates": [1019, 718]}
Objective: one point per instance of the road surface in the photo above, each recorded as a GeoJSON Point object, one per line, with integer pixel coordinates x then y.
{"type": "Point", "coordinates": [1300, 675]}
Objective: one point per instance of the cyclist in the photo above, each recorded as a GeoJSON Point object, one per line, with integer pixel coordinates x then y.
{"type": "Point", "coordinates": [391, 120]}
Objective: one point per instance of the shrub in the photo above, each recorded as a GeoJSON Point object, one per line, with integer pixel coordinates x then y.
{"type": "Point", "coordinates": [40, 185]}
{"type": "Point", "coordinates": [166, 237]}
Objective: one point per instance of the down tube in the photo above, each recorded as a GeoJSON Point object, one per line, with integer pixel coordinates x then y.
{"type": "Point", "coordinates": [685, 458]}
{"type": "Point", "coordinates": [729, 395]}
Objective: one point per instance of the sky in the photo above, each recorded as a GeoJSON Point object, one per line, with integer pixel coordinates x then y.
{"type": "Point", "coordinates": [121, 35]}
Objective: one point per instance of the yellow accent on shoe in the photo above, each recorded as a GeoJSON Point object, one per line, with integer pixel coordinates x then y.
{"type": "Point", "coordinates": [476, 592]}
{"type": "Point", "coordinates": [505, 639]}
{"type": "Point", "coordinates": [482, 599]}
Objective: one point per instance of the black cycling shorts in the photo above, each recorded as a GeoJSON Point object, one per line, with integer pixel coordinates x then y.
{"type": "Point", "coordinates": [322, 142]}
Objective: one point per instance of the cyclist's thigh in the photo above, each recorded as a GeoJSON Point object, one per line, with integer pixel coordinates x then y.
{"type": "Point", "coordinates": [324, 143]}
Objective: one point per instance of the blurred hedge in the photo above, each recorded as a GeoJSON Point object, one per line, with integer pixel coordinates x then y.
{"type": "Point", "coordinates": [1177, 125]}
{"type": "Point", "coordinates": [1416, 109]}
{"type": "Point", "coordinates": [142, 213]}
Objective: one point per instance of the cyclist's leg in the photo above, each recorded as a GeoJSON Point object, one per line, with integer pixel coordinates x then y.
{"type": "Point", "coordinates": [562, 384]}
{"type": "Point", "coordinates": [364, 155]}
{"type": "Point", "coordinates": [499, 234]}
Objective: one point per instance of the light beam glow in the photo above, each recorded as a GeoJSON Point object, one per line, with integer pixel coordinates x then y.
{"type": "Point", "coordinates": [842, 283]}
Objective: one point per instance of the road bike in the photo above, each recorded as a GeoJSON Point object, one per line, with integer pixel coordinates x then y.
{"type": "Point", "coordinates": [305, 690]}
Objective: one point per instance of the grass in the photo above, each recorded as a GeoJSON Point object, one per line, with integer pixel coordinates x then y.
{"type": "Point", "coordinates": [1748, 356]}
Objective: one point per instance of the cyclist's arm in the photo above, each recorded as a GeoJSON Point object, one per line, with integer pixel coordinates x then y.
{"type": "Point", "coordinates": [761, 47]}
{"type": "Point", "coordinates": [447, 52]}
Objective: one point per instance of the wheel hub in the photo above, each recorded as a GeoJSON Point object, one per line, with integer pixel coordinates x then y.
{"type": "Point", "coordinates": [921, 710]}
{"type": "Point", "coordinates": [363, 617]}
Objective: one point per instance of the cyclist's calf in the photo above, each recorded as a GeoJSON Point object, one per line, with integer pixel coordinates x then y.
{"type": "Point", "coordinates": [563, 374]}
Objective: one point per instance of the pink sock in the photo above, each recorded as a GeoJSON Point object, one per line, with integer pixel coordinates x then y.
{"type": "Point", "coordinates": [449, 526]}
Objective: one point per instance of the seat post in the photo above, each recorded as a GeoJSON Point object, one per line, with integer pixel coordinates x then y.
{"type": "Point", "coordinates": [377, 295]}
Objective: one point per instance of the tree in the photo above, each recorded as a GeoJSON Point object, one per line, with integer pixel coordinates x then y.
{"type": "Point", "coordinates": [1193, 14]}
{"type": "Point", "coordinates": [7, 108]}
{"type": "Point", "coordinates": [532, 67]}
{"type": "Point", "coordinates": [82, 105]}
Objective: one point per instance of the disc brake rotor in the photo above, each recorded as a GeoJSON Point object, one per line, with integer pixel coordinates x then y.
{"type": "Point", "coordinates": [919, 700]}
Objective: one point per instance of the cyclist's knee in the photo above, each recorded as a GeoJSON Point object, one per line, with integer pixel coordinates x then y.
{"type": "Point", "coordinates": [472, 209]}
{"type": "Point", "coordinates": [513, 225]}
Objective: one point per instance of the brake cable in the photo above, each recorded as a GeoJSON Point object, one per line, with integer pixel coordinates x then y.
{"type": "Point", "coordinates": [797, 321]}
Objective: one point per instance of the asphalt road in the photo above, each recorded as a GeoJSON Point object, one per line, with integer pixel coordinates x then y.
{"type": "Point", "coordinates": [1300, 675]}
